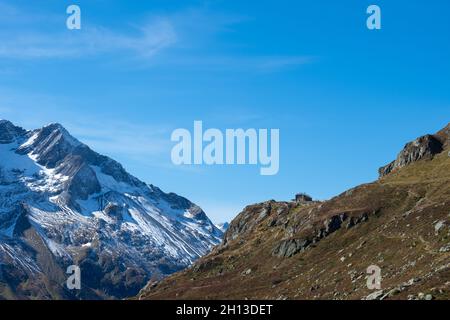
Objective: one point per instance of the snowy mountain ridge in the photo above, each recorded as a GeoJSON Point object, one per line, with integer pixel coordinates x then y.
{"type": "Point", "coordinates": [62, 203]}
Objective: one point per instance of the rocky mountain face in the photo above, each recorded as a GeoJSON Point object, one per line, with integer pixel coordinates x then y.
{"type": "Point", "coordinates": [322, 250]}
{"type": "Point", "coordinates": [63, 204]}
{"type": "Point", "coordinates": [425, 147]}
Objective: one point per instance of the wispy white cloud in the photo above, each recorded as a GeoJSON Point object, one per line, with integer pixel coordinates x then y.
{"type": "Point", "coordinates": [145, 41]}
{"type": "Point", "coordinates": [183, 36]}
{"type": "Point", "coordinates": [21, 37]}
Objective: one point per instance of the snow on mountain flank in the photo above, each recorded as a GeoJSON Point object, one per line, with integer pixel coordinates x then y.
{"type": "Point", "coordinates": [62, 203]}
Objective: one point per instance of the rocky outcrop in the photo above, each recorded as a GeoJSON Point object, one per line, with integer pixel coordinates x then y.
{"type": "Point", "coordinates": [253, 215]}
{"type": "Point", "coordinates": [289, 247]}
{"type": "Point", "coordinates": [50, 145]}
{"type": "Point", "coordinates": [444, 136]}
{"type": "Point", "coordinates": [423, 148]}
{"type": "Point", "coordinates": [83, 183]}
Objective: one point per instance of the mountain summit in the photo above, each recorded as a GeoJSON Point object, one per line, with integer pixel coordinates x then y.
{"type": "Point", "coordinates": [63, 204]}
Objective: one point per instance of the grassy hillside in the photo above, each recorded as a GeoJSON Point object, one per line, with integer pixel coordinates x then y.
{"type": "Point", "coordinates": [321, 250]}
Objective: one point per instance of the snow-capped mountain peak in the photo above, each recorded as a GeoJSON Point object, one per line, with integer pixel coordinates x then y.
{"type": "Point", "coordinates": [85, 208]}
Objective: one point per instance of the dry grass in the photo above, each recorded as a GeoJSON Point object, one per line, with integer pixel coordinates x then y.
{"type": "Point", "coordinates": [399, 236]}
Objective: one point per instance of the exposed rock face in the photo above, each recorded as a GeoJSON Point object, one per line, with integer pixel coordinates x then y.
{"type": "Point", "coordinates": [289, 247]}
{"type": "Point", "coordinates": [62, 203]}
{"type": "Point", "coordinates": [9, 132]}
{"type": "Point", "coordinates": [245, 223]}
{"type": "Point", "coordinates": [423, 148]}
{"type": "Point", "coordinates": [322, 250]}
{"type": "Point", "coordinates": [444, 136]}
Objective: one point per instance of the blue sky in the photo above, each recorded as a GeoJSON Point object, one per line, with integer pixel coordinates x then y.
{"type": "Point", "coordinates": [345, 99]}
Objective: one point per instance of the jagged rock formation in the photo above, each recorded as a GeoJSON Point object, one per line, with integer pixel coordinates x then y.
{"type": "Point", "coordinates": [321, 250]}
{"type": "Point", "coordinates": [425, 147]}
{"type": "Point", "coordinates": [62, 203]}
